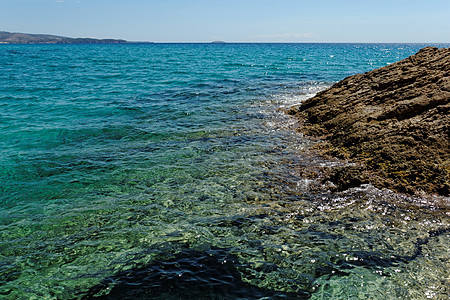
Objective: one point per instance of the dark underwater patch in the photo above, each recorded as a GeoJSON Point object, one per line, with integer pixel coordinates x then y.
{"type": "Point", "coordinates": [190, 274]}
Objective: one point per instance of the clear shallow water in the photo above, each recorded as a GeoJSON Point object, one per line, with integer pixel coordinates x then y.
{"type": "Point", "coordinates": [168, 171]}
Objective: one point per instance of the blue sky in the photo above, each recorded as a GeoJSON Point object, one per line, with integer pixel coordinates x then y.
{"type": "Point", "coordinates": [233, 20]}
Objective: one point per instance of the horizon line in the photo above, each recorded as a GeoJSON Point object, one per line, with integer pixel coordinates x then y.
{"type": "Point", "coordinates": [223, 43]}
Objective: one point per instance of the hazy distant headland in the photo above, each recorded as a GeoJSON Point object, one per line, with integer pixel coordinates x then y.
{"type": "Point", "coordinates": [25, 38]}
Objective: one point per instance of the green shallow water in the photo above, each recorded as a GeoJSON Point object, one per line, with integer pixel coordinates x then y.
{"type": "Point", "coordinates": [169, 172]}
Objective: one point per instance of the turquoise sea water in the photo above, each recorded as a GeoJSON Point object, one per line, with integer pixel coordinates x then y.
{"type": "Point", "coordinates": [169, 171]}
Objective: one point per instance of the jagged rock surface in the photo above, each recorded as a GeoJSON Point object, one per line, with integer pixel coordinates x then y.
{"type": "Point", "coordinates": [393, 120]}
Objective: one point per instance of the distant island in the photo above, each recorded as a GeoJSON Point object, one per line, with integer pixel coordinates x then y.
{"type": "Point", "coordinates": [25, 38]}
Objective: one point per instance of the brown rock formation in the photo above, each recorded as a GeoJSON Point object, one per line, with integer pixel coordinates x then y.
{"type": "Point", "coordinates": [393, 120]}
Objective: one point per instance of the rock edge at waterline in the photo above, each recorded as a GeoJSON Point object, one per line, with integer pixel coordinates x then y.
{"type": "Point", "coordinates": [393, 121]}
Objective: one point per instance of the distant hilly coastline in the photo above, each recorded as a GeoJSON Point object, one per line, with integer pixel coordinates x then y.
{"type": "Point", "coordinates": [25, 38]}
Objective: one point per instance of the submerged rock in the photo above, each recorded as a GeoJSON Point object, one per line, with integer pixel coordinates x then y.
{"type": "Point", "coordinates": [394, 121]}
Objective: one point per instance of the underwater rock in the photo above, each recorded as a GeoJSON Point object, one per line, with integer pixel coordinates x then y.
{"type": "Point", "coordinates": [190, 274]}
{"type": "Point", "coordinates": [394, 121]}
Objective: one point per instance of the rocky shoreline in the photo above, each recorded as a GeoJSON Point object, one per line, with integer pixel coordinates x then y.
{"type": "Point", "coordinates": [392, 123]}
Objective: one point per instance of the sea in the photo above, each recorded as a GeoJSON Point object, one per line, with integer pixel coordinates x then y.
{"type": "Point", "coordinates": [172, 171]}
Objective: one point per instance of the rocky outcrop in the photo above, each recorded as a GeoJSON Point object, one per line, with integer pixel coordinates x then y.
{"type": "Point", "coordinates": [394, 121]}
